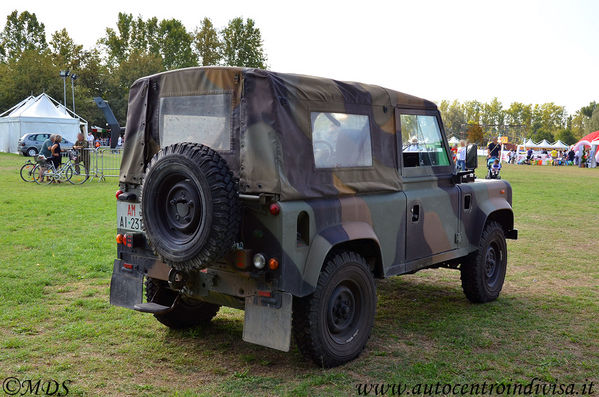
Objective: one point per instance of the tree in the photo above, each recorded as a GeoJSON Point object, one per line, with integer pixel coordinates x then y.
{"type": "Point", "coordinates": [175, 45]}
{"type": "Point", "coordinates": [242, 44]}
{"type": "Point", "coordinates": [566, 137]}
{"type": "Point", "coordinates": [475, 133]}
{"type": "Point", "coordinates": [453, 117]}
{"type": "Point", "coordinates": [117, 42]}
{"type": "Point", "coordinates": [595, 120]}
{"type": "Point", "coordinates": [66, 53]}
{"type": "Point", "coordinates": [22, 32]}
{"type": "Point", "coordinates": [589, 109]}
{"type": "Point", "coordinates": [207, 44]}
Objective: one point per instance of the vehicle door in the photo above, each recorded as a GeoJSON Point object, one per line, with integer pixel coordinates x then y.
{"type": "Point", "coordinates": [433, 211]}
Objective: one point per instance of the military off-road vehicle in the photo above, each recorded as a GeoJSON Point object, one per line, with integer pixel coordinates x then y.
{"type": "Point", "coordinates": [287, 196]}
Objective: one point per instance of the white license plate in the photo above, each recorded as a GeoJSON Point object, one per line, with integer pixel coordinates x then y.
{"type": "Point", "coordinates": [128, 216]}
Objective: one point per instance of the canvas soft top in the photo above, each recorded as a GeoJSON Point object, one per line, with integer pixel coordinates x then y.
{"type": "Point", "coordinates": [271, 149]}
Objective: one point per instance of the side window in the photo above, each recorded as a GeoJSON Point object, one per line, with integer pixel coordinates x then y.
{"type": "Point", "coordinates": [42, 137]}
{"type": "Point", "coordinates": [422, 141]}
{"type": "Point", "coordinates": [341, 140]}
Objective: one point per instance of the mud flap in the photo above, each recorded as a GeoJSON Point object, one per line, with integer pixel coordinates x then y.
{"type": "Point", "coordinates": [126, 286]}
{"type": "Point", "coordinates": [268, 321]}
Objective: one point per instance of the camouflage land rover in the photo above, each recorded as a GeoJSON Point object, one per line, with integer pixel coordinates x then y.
{"type": "Point", "coordinates": [286, 196]}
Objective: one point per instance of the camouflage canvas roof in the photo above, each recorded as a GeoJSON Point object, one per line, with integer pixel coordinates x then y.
{"type": "Point", "coordinates": [271, 131]}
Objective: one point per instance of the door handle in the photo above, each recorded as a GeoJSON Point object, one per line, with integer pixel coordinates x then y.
{"type": "Point", "coordinates": [415, 213]}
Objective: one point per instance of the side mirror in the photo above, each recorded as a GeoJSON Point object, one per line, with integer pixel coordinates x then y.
{"type": "Point", "coordinates": [472, 157]}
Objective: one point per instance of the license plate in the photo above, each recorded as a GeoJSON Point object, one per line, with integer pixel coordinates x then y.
{"type": "Point", "coordinates": [128, 216]}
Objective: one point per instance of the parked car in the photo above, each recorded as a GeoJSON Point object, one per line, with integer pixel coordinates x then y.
{"type": "Point", "coordinates": [30, 144]}
{"type": "Point", "coordinates": [286, 196]}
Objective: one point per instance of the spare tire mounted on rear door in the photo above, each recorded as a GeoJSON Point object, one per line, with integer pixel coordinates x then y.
{"type": "Point", "coordinates": [189, 206]}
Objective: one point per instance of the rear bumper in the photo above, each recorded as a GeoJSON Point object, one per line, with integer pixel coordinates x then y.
{"type": "Point", "coordinates": [512, 234]}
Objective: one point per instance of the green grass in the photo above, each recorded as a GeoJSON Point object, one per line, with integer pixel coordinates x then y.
{"type": "Point", "coordinates": [55, 321]}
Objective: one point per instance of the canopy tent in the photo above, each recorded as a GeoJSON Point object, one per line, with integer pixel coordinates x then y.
{"type": "Point", "coordinates": [544, 144]}
{"type": "Point", "coordinates": [559, 145]}
{"type": "Point", "coordinates": [37, 114]}
{"type": "Point", "coordinates": [453, 140]}
{"type": "Point", "coordinates": [529, 143]}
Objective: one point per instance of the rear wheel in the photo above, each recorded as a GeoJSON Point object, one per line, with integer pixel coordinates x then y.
{"type": "Point", "coordinates": [483, 272]}
{"type": "Point", "coordinates": [27, 172]}
{"type": "Point", "coordinates": [332, 325]}
{"type": "Point", "coordinates": [32, 152]}
{"type": "Point", "coordinates": [185, 314]}
{"type": "Point", "coordinates": [42, 176]}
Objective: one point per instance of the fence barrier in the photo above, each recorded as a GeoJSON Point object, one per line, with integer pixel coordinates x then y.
{"type": "Point", "coordinates": [102, 162]}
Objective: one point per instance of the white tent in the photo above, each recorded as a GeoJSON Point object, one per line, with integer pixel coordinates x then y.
{"type": "Point", "coordinates": [37, 114]}
{"type": "Point", "coordinates": [559, 145]}
{"type": "Point", "coordinates": [544, 144]}
{"type": "Point", "coordinates": [530, 143]}
{"type": "Point", "coordinates": [453, 140]}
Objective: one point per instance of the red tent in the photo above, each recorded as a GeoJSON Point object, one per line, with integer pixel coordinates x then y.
{"type": "Point", "coordinates": [591, 137]}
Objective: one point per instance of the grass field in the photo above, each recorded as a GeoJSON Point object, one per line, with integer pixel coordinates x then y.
{"type": "Point", "coordinates": [55, 321]}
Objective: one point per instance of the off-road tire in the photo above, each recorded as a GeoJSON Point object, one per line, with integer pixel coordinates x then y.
{"type": "Point", "coordinates": [483, 271]}
{"type": "Point", "coordinates": [186, 314]}
{"type": "Point", "coordinates": [323, 328]}
{"type": "Point", "coordinates": [189, 206]}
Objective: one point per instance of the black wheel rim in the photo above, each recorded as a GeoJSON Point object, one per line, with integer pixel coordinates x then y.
{"type": "Point", "coordinates": [179, 204]}
{"type": "Point", "coordinates": [343, 311]}
{"type": "Point", "coordinates": [492, 264]}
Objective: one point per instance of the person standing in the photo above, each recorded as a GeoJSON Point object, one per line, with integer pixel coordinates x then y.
{"type": "Point", "coordinates": [80, 145]}
{"type": "Point", "coordinates": [46, 151]}
{"type": "Point", "coordinates": [56, 157]}
{"type": "Point", "coordinates": [461, 156]}
{"type": "Point", "coordinates": [493, 149]}
{"type": "Point", "coordinates": [90, 139]}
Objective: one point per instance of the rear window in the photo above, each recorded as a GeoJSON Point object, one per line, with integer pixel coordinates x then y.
{"type": "Point", "coordinates": [204, 119]}
{"type": "Point", "coordinates": [341, 140]}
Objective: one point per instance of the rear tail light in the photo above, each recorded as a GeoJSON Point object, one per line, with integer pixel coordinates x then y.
{"type": "Point", "coordinates": [119, 239]}
{"type": "Point", "coordinates": [118, 193]}
{"type": "Point", "coordinates": [275, 209]}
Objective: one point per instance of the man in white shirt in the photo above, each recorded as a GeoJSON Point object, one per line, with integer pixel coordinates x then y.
{"type": "Point", "coordinates": [90, 139]}
{"type": "Point", "coordinates": [461, 156]}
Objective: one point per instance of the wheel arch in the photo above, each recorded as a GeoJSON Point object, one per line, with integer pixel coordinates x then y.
{"type": "Point", "coordinates": [348, 236]}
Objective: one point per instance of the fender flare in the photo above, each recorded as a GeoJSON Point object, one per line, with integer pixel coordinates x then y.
{"type": "Point", "coordinates": [325, 241]}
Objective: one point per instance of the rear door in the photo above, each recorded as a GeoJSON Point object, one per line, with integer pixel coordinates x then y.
{"type": "Point", "coordinates": [433, 211]}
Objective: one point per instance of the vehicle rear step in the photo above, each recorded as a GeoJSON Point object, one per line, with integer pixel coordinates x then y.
{"type": "Point", "coordinates": [152, 307]}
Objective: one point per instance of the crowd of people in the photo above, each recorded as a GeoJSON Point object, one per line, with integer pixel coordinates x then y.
{"type": "Point", "coordinates": [97, 142]}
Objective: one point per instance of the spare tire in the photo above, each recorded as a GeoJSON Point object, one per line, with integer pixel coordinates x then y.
{"type": "Point", "coordinates": [189, 206]}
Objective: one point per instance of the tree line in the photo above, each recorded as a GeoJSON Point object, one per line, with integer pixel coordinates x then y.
{"type": "Point", "coordinates": [479, 121]}
{"type": "Point", "coordinates": [133, 48]}
{"type": "Point", "coordinates": [136, 47]}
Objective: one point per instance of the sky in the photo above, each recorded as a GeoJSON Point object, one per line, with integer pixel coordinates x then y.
{"type": "Point", "coordinates": [527, 51]}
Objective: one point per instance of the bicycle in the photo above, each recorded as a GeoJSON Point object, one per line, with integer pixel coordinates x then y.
{"type": "Point", "coordinates": [72, 172]}
{"type": "Point", "coordinates": [27, 171]}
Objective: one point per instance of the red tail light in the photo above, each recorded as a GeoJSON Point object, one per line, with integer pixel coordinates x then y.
{"type": "Point", "coordinates": [118, 193]}
{"type": "Point", "coordinates": [275, 209]}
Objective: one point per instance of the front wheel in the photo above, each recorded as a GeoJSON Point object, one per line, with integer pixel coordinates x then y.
{"type": "Point", "coordinates": [483, 271]}
{"type": "Point", "coordinates": [78, 174]}
{"type": "Point", "coordinates": [332, 325]}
